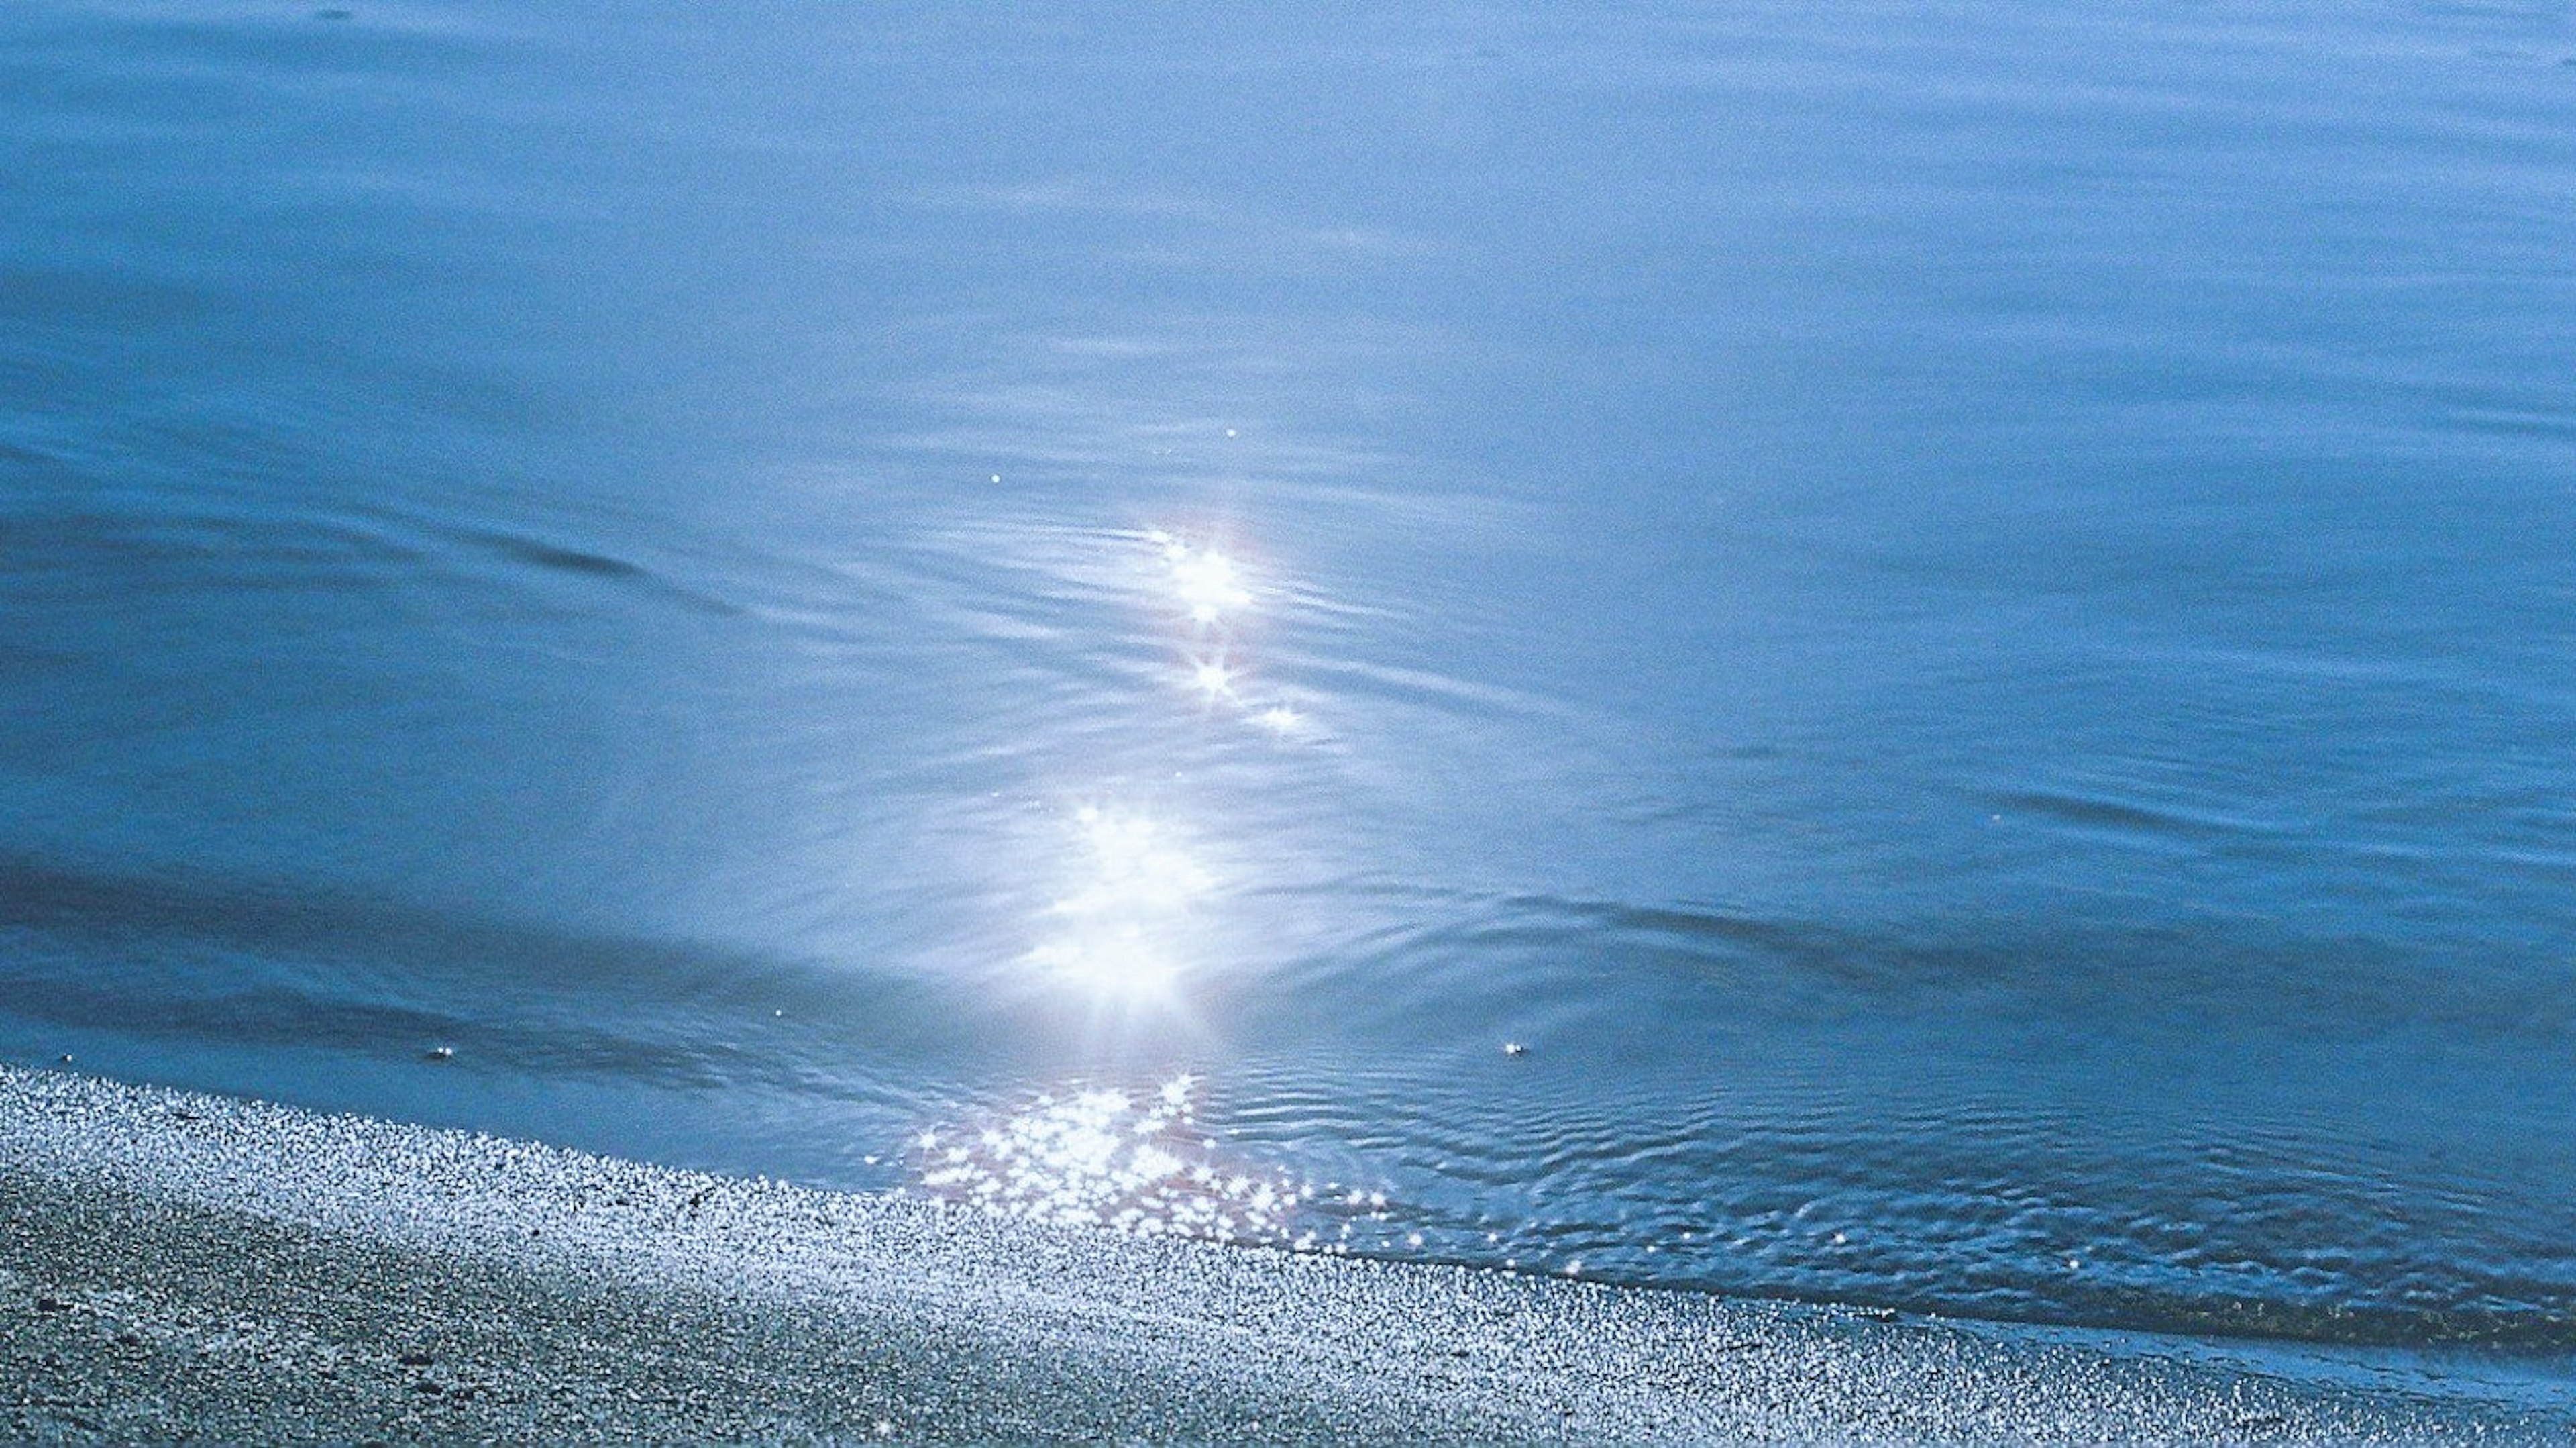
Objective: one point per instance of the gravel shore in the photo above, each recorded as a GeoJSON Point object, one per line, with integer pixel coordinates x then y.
{"type": "Point", "coordinates": [177, 1266]}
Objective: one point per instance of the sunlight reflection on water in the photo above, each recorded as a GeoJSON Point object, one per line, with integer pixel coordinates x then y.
{"type": "Point", "coordinates": [2012, 720]}
{"type": "Point", "coordinates": [1204, 579]}
{"type": "Point", "coordinates": [1123, 927]}
{"type": "Point", "coordinates": [1209, 590]}
{"type": "Point", "coordinates": [1106, 1158]}
{"type": "Point", "coordinates": [1119, 932]}
{"type": "Point", "coordinates": [1103, 1156]}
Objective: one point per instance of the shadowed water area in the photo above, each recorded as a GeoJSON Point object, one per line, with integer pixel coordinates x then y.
{"type": "Point", "coordinates": [1915, 655]}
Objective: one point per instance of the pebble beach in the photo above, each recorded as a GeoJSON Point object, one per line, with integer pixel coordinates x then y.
{"type": "Point", "coordinates": [178, 1266]}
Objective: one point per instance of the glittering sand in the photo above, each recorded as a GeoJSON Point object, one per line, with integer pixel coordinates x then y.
{"type": "Point", "coordinates": [175, 1265]}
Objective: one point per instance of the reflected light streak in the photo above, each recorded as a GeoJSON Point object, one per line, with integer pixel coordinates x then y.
{"type": "Point", "coordinates": [1114, 931]}
{"type": "Point", "coordinates": [1204, 579]}
{"type": "Point", "coordinates": [1213, 678]}
{"type": "Point", "coordinates": [1209, 587]}
{"type": "Point", "coordinates": [1105, 1158]}
{"type": "Point", "coordinates": [1131, 867]}
{"type": "Point", "coordinates": [1128, 966]}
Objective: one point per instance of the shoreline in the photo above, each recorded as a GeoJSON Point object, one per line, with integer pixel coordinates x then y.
{"type": "Point", "coordinates": [175, 1264]}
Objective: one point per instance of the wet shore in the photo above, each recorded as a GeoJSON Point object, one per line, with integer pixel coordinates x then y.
{"type": "Point", "coordinates": [176, 1265]}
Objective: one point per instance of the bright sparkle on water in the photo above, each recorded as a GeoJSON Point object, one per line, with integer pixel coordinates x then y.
{"type": "Point", "coordinates": [1133, 867]}
{"type": "Point", "coordinates": [1105, 1158]}
{"type": "Point", "coordinates": [1116, 931]}
{"type": "Point", "coordinates": [1208, 588]}
{"type": "Point", "coordinates": [1204, 579]}
{"type": "Point", "coordinates": [1213, 678]}
{"type": "Point", "coordinates": [1122, 929]}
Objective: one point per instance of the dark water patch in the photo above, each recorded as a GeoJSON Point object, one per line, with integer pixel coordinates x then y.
{"type": "Point", "coordinates": [63, 554]}
{"type": "Point", "coordinates": [27, 663]}
{"type": "Point", "coordinates": [2119, 817]}
{"type": "Point", "coordinates": [69, 312]}
{"type": "Point", "coordinates": [568, 560]}
{"type": "Point", "coordinates": [2552, 427]}
{"type": "Point", "coordinates": [249, 45]}
{"type": "Point", "coordinates": [192, 948]}
{"type": "Point", "coordinates": [538, 554]}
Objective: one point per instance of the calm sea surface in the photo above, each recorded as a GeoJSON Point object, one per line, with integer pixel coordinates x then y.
{"type": "Point", "coordinates": [1911, 654]}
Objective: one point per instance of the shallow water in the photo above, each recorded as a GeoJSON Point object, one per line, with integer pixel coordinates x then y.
{"type": "Point", "coordinates": [1915, 655]}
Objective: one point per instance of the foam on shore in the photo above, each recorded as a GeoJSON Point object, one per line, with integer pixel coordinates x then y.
{"type": "Point", "coordinates": [175, 1264]}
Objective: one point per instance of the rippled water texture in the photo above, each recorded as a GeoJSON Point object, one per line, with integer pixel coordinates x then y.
{"type": "Point", "coordinates": [1910, 654]}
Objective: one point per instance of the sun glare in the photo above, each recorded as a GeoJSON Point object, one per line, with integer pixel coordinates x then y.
{"type": "Point", "coordinates": [1131, 867]}
{"type": "Point", "coordinates": [1204, 580]}
{"type": "Point", "coordinates": [1207, 586]}
{"type": "Point", "coordinates": [1118, 930]}
{"type": "Point", "coordinates": [1207, 583]}
{"type": "Point", "coordinates": [1212, 677]}
{"type": "Point", "coordinates": [1104, 1158]}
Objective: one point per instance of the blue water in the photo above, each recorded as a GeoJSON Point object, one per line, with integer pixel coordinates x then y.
{"type": "Point", "coordinates": [1908, 654]}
